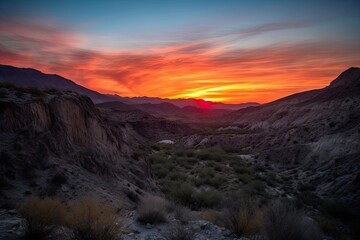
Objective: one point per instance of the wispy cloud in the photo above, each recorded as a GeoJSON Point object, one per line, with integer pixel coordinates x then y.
{"type": "Point", "coordinates": [202, 68]}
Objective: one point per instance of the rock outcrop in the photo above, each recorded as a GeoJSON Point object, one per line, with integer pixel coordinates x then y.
{"type": "Point", "coordinates": [49, 133]}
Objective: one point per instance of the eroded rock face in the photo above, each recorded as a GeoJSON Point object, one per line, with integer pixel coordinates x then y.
{"type": "Point", "coordinates": [64, 133]}
{"type": "Point", "coordinates": [317, 131]}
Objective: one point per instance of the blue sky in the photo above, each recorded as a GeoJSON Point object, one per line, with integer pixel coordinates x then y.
{"type": "Point", "coordinates": [231, 51]}
{"type": "Point", "coordinates": [123, 24]}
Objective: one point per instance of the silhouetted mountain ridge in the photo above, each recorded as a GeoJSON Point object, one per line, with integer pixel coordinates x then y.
{"type": "Point", "coordinates": [29, 77]}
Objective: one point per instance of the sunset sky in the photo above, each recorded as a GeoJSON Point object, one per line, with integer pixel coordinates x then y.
{"type": "Point", "coordinates": [229, 51]}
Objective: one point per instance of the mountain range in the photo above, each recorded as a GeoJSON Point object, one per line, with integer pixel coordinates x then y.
{"type": "Point", "coordinates": [28, 77]}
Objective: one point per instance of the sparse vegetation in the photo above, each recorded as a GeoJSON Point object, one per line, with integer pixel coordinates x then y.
{"type": "Point", "coordinates": [206, 199]}
{"type": "Point", "coordinates": [245, 220]}
{"type": "Point", "coordinates": [90, 219]}
{"type": "Point", "coordinates": [152, 209]}
{"type": "Point", "coordinates": [179, 232]}
{"type": "Point", "coordinates": [182, 171]}
{"type": "Point", "coordinates": [86, 219]}
{"type": "Point", "coordinates": [41, 217]}
{"type": "Point", "coordinates": [283, 222]}
{"type": "Point", "coordinates": [183, 214]}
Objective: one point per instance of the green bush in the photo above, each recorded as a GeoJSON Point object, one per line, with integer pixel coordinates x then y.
{"type": "Point", "coordinates": [161, 172]}
{"type": "Point", "coordinates": [245, 178]}
{"type": "Point", "coordinates": [206, 199]}
{"type": "Point", "coordinates": [183, 194]}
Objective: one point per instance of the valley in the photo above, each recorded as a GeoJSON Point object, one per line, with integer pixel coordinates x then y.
{"type": "Point", "coordinates": [216, 173]}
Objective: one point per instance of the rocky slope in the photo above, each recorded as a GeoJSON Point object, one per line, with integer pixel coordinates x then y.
{"type": "Point", "coordinates": [54, 142]}
{"type": "Point", "coordinates": [316, 132]}
{"type": "Point", "coordinates": [152, 127]}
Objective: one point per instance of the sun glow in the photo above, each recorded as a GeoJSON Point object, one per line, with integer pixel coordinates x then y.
{"type": "Point", "coordinates": [211, 69]}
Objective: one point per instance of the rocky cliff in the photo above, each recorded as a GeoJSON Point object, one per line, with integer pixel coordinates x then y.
{"type": "Point", "coordinates": [54, 142]}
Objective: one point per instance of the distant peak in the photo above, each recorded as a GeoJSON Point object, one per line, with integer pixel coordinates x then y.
{"type": "Point", "coordinates": [348, 78]}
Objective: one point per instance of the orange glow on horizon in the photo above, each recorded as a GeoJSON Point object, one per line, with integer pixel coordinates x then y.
{"type": "Point", "coordinates": [199, 69]}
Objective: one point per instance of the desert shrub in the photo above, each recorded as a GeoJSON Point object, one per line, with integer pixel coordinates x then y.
{"type": "Point", "coordinates": [180, 152]}
{"type": "Point", "coordinates": [245, 178]}
{"type": "Point", "coordinates": [186, 195]}
{"type": "Point", "coordinates": [179, 176]}
{"type": "Point", "coordinates": [179, 232]}
{"type": "Point", "coordinates": [183, 194]}
{"type": "Point", "coordinates": [259, 168]}
{"type": "Point", "coordinates": [207, 172]}
{"type": "Point", "coordinates": [206, 199]}
{"type": "Point", "coordinates": [138, 153]}
{"type": "Point", "coordinates": [245, 221]}
{"type": "Point", "coordinates": [214, 153]}
{"type": "Point", "coordinates": [161, 172]}
{"type": "Point", "coordinates": [203, 155]}
{"type": "Point", "coordinates": [158, 158]}
{"type": "Point", "coordinates": [243, 217]}
{"type": "Point", "coordinates": [218, 181]}
{"type": "Point", "coordinates": [283, 222]}
{"type": "Point", "coordinates": [244, 170]}
{"type": "Point", "coordinates": [255, 187]}
{"type": "Point", "coordinates": [190, 153]}
{"type": "Point", "coordinates": [41, 217]}
{"type": "Point", "coordinates": [183, 214]}
{"type": "Point", "coordinates": [90, 219]}
{"type": "Point", "coordinates": [218, 167]}
{"type": "Point", "coordinates": [212, 216]}
{"type": "Point", "coordinates": [152, 209]}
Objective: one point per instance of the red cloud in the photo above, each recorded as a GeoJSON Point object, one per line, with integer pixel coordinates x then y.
{"type": "Point", "coordinates": [200, 69]}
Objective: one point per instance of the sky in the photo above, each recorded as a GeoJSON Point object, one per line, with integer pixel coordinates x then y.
{"type": "Point", "coordinates": [231, 51]}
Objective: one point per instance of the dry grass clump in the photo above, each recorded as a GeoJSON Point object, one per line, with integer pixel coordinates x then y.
{"type": "Point", "coordinates": [183, 214]}
{"type": "Point", "coordinates": [212, 216]}
{"type": "Point", "coordinates": [244, 219]}
{"type": "Point", "coordinates": [152, 209]}
{"type": "Point", "coordinates": [179, 232]}
{"type": "Point", "coordinates": [86, 219]}
{"type": "Point", "coordinates": [41, 217]}
{"type": "Point", "coordinates": [247, 220]}
{"type": "Point", "coordinates": [283, 222]}
{"type": "Point", "coordinates": [89, 219]}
